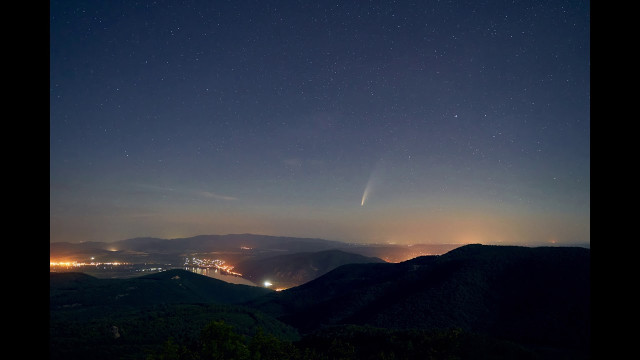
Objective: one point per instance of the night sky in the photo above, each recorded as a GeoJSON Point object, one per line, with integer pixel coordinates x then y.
{"type": "Point", "coordinates": [362, 121]}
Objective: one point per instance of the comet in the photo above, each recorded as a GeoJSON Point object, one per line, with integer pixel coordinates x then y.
{"type": "Point", "coordinates": [366, 192]}
{"type": "Point", "coordinates": [375, 174]}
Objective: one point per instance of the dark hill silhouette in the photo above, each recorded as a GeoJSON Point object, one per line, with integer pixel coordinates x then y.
{"type": "Point", "coordinates": [296, 269]}
{"type": "Point", "coordinates": [172, 286]}
{"type": "Point", "coordinates": [72, 281]}
{"type": "Point", "coordinates": [92, 318]}
{"type": "Point", "coordinates": [535, 296]}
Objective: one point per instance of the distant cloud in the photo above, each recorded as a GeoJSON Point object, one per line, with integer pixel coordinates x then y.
{"type": "Point", "coordinates": [292, 162]}
{"type": "Point", "coordinates": [198, 193]}
{"type": "Point", "coordinates": [208, 194]}
{"type": "Point", "coordinates": [154, 187]}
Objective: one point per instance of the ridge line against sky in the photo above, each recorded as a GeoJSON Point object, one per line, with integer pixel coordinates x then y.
{"type": "Point", "coordinates": [359, 121]}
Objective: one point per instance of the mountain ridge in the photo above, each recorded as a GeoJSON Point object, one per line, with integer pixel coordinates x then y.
{"type": "Point", "coordinates": [295, 269]}
{"type": "Point", "coordinates": [170, 286]}
{"type": "Point", "coordinates": [236, 247]}
{"type": "Point", "coordinates": [528, 295]}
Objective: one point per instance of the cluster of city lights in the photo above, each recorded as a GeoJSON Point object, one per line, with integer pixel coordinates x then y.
{"type": "Point", "coordinates": [151, 269]}
{"type": "Point", "coordinates": [209, 263]}
{"type": "Point", "coordinates": [204, 263]}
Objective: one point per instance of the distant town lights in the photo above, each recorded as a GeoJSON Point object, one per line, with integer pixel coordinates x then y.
{"type": "Point", "coordinates": [79, 264]}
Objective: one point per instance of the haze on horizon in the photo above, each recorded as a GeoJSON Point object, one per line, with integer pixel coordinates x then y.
{"type": "Point", "coordinates": [362, 122]}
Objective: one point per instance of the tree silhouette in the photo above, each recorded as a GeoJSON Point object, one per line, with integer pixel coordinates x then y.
{"type": "Point", "coordinates": [218, 341]}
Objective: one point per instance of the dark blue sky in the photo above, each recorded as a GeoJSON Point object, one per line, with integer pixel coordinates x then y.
{"type": "Point", "coordinates": [465, 121]}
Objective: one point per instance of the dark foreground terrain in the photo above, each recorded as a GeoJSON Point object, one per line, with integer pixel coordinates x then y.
{"type": "Point", "coordinates": [474, 302]}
